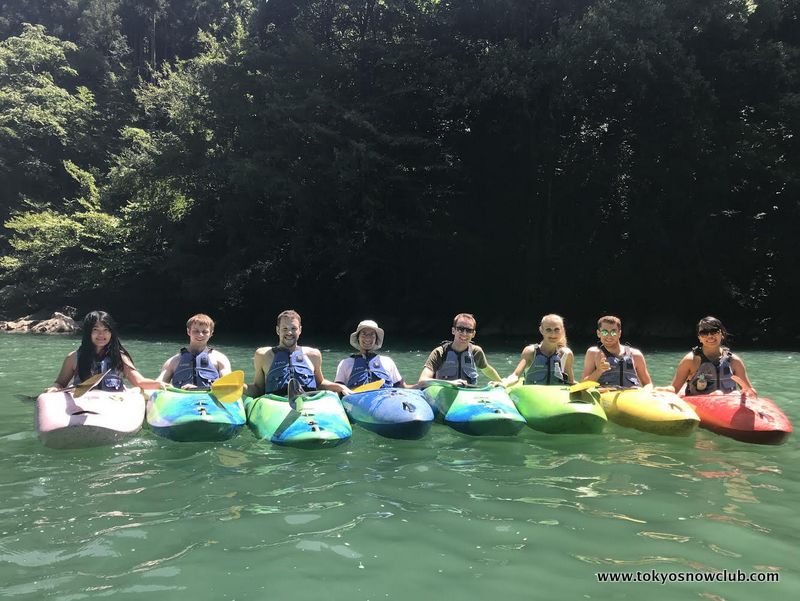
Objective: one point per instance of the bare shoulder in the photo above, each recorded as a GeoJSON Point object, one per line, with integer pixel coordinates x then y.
{"type": "Point", "coordinates": [592, 350]}
{"type": "Point", "coordinates": [311, 352]}
{"type": "Point", "coordinates": [636, 352]}
{"type": "Point", "coordinates": [529, 350]}
{"type": "Point", "coordinates": [217, 355]}
{"type": "Point", "coordinates": [566, 351]}
{"type": "Point", "coordinates": [263, 351]}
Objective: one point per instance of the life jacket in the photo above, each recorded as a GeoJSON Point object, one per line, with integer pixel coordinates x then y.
{"type": "Point", "coordinates": [546, 369]}
{"type": "Point", "coordinates": [622, 372]}
{"type": "Point", "coordinates": [197, 369]}
{"type": "Point", "coordinates": [368, 369]}
{"type": "Point", "coordinates": [712, 375]}
{"type": "Point", "coordinates": [112, 382]}
{"type": "Point", "coordinates": [286, 366]}
{"type": "Point", "coordinates": [458, 365]}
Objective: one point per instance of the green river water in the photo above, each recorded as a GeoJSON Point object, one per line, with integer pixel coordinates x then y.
{"type": "Point", "coordinates": [536, 516]}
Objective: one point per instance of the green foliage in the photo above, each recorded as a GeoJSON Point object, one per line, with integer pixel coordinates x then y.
{"type": "Point", "coordinates": [304, 146]}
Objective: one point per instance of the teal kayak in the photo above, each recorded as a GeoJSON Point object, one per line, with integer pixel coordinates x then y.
{"type": "Point", "coordinates": [486, 411]}
{"type": "Point", "coordinates": [312, 420]}
{"type": "Point", "coordinates": [193, 415]}
{"type": "Point", "coordinates": [553, 409]}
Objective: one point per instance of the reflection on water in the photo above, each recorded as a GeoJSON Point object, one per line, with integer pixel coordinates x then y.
{"type": "Point", "coordinates": [384, 519]}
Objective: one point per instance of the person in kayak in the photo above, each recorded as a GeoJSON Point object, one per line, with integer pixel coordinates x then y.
{"type": "Point", "coordinates": [709, 367]}
{"type": "Point", "coordinates": [459, 360]}
{"type": "Point", "coordinates": [100, 352]}
{"type": "Point", "coordinates": [612, 363]}
{"type": "Point", "coordinates": [366, 366]}
{"type": "Point", "coordinates": [548, 362]}
{"type": "Point", "coordinates": [197, 365]}
{"type": "Point", "coordinates": [275, 366]}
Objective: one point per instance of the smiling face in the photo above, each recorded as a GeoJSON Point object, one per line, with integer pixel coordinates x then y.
{"type": "Point", "coordinates": [464, 330]}
{"type": "Point", "coordinates": [609, 333]}
{"type": "Point", "coordinates": [552, 330]}
{"type": "Point", "coordinates": [710, 337]}
{"type": "Point", "coordinates": [288, 332]}
{"type": "Point", "coordinates": [101, 336]}
{"type": "Point", "coordinates": [199, 335]}
{"type": "Point", "coordinates": [367, 339]}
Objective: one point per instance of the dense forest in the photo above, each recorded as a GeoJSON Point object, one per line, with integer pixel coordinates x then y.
{"type": "Point", "coordinates": [403, 160]}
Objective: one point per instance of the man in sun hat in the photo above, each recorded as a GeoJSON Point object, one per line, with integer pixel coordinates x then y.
{"type": "Point", "coordinates": [366, 366]}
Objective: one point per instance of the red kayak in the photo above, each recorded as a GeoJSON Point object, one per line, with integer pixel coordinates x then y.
{"type": "Point", "coordinates": [743, 417]}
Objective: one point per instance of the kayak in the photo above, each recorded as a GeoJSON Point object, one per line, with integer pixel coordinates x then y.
{"type": "Point", "coordinates": [486, 411]}
{"type": "Point", "coordinates": [312, 420]}
{"type": "Point", "coordinates": [648, 410]}
{"type": "Point", "coordinates": [94, 419]}
{"type": "Point", "coordinates": [193, 415]}
{"type": "Point", "coordinates": [391, 412]}
{"type": "Point", "coordinates": [746, 418]}
{"type": "Point", "coordinates": [553, 409]}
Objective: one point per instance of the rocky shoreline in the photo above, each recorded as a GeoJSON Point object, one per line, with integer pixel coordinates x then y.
{"type": "Point", "coordinates": [43, 322]}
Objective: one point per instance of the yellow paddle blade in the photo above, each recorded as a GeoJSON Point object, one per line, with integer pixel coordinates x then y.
{"type": "Point", "coordinates": [585, 385]}
{"type": "Point", "coordinates": [369, 386]}
{"type": "Point", "coordinates": [229, 388]}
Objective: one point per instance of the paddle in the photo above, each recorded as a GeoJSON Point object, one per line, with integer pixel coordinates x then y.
{"type": "Point", "coordinates": [228, 388]}
{"type": "Point", "coordinates": [585, 385]}
{"type": "Point", "coordinates": [369, 386]}
{"type": "Point", "coordinates": [86, 385]}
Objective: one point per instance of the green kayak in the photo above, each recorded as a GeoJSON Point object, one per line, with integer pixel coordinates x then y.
{"type": "Point", "coordinates": [555, 410]}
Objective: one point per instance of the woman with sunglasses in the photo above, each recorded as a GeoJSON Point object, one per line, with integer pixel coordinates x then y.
{"type": "Point", "coordinates": [548, 362]}
{"type": "Point", "coordinates": [612, 363]}
{"type": "Point", "coordinates": [709, 367]}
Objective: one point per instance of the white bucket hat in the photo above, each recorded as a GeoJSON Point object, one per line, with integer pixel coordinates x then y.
{"type": "Point", "coordinates": [367, 323]}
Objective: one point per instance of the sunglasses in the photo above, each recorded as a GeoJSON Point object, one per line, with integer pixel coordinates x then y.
{"type": "Point", "coordinates": [709, 332]}
{"type": "Point", "coordinates": [464, 329]}
{"type": "Point", "coordinates": [609, 333]}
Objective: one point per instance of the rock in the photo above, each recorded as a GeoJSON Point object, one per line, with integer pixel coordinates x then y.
{"type": "Point", "coordinates": [58, 323]}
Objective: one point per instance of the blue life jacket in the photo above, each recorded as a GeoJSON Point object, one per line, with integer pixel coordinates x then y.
{"type": "Point", "coordinates": [546, 369]}
{"type": "Point", "coordinates": [622, 372]}
{"type": "Point", "coordinates": [458, 366]}
{"type": "Point", "coordinates": [285, 367]}
{"type": "Point", "coordinates": [112, 382]}
{"type": "Point", "coordinates": [194, 369]}
{"type": "Point", "coordinates": [712, 375]}
{"type": "Point", "coordinates": [368, 369]}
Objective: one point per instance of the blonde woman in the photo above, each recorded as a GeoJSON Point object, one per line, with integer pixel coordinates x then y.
{"type": "Point", "coordinates": [549, 361]}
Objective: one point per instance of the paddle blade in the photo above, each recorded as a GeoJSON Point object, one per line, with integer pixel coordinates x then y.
{"type": "Point", "coordinates": [369, 386]}
{"type": "Point", "coordinates": [585, 385]}
{"type": "Point", "coordinates": [88, 384]}
{"type": "Point", "coordinates": [228, 388]}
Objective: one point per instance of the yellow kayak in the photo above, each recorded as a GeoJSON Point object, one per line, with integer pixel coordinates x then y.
{"type": "Point", "coordinates": [649, 410]}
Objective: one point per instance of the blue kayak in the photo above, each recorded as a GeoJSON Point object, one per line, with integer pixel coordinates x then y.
{"type": "Point", "coordinates": [483, 411]}
{"type": "Point", "coordinates": [312, 420]}
{"type": "Point", "coordinates": [193, 415]}
{"type": "Point", "coordinates": [391, 412]}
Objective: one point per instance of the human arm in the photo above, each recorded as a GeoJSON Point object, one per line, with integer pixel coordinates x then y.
{"type": "Point", "coordinates": [568, 358]}
{"type": "Point", "coordinates": [683, 373]}
{"type": "Point", "coordinates": [595, 364]}
{"type": "Point", "coordinates": [221, 362]}
{"type": "Point", "coordinates": [66, 373]}
{"type": "Point", "coordinates": [316, 360]}
{"type": "Point", "coordinates": [343, 371]}
{"type": "Point", "coordinates": [524, 361]}
{"type": "Point", "coordinates": [738, 368]}
{"type": "Point", "coordinates": [262, 360]}
{"type": "Point", "coordinates": [432, 365]}
{"type": "Point", "coordinates": [137, 379]}
{"type": "Point", "coordinates": [640, 365]}
{"type": "Point", "coordinates": [168, 369]}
